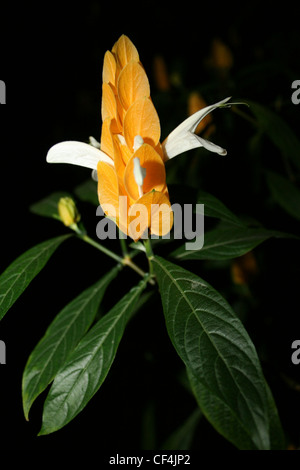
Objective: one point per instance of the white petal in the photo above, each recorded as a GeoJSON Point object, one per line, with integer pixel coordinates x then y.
{"type": "Point", "coordinates": [121, 139]}
{"type": "Point", "coordinates": [77, 153]}
{"type": "Point", "coordinates": [139, 172]}
{"type": "Point", "coordinates": [94, 142]}
{"type": "Point", "coordinates": [94, 175]}
{"type": "Point", "coordinates": [137, 142]}
{"type": "Point", "coordinates": [209, 145]}
{"type": "Point", "coordinates": [182, 138]}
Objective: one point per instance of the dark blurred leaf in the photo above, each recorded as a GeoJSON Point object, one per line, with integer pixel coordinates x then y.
{"type": "Point", "coordinates": [213, 207]}
{"type": "Point", "coordinates": [278, 131]}
{"type": "Point", "coordinates": [182, 437]}
{"type": "Point", "coordinates": [226, 243]}
{"type": "Point", "coordinates": [47, 207]}
{"type": "Point", "coordinates": [285, 193]}
{"type": "Point", "coordinates": [87, 192]}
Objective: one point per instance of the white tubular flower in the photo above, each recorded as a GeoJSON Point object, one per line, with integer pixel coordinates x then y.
{"type": "Point", "coordinates": [182, 138]}
{"type": "Point", "coordinates": [77, 153]}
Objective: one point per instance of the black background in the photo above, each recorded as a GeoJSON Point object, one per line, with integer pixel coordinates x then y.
{"type": "Point", "coordinates": [51, 62]}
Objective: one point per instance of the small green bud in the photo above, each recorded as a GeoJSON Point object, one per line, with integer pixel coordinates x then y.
{"type": "Point", "coordinates": [68, 211]}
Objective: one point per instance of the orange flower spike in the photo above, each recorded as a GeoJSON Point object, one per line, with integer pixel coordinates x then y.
{"type": "Point", "coordinates": [130, 160]}
{"type": "Point", "coordinates": [155, 172]}
{"type": "Point", "coordinates": [161, 74]}
{"type": "Point", "coordinates": [244, 268]}
{"type": "Point", "coordinates": [195, 103]}
{"type": "Point", "coordinates": [142, 119]}
{"type": "Point", "coordinates": [221, 55]}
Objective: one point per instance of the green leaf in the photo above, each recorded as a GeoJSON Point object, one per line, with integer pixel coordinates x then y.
{"type": "Point", "coordinates": [87, 192]}
{"type": "Point", "coordinates": [221, 359]}
{"type": "Point", "coordinates": [277, 437]}
{"type": "Point", "coordinates": [19, 274]}
{"type": "Point", "coordinates": [229, 427]}
{"type": "Point", "coordinates": [226, 243]}
{"type": "Point", "coordinates": [285, 193]}
{"type": "Point", "coordinates": [213, 207]}
{"type": "Point", "coordinates": [278, 131]}
{"type": "Point", "coordinates": [61, 337]}
{"type": "Point", "coordinates": [88, 365]}
{"type": "Point", "coordinates": [182, 438]}
{"type": "Point", "coordinates": [47, 207]}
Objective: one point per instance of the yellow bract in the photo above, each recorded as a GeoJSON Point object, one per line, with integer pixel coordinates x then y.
{"type": "Point", "coordinates": [142, 119]}
{"type": "Point", "coordinates": [133, 84]}
{"type": "Point", "coordinates": [108, 188]}
{"type": "Point", "coordinates": [131, 129]}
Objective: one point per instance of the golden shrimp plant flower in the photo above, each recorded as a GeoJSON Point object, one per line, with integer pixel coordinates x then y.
{"type": "Point", "coordinates": [130, 162]}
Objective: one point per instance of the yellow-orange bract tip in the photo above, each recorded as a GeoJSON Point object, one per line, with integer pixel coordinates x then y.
{"type": "Point", "coordinates": [125, 51]}
{"type": "Point", "coordinates": [109, 69]}
{"type": "Point", "coordinates": [142, 119]}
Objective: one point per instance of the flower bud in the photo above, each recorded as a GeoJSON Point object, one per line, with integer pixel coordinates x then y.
{"type": "Point", "coordinates": [244, 268]}
{"type": "Point", "coordinates": [68, 211]}
{"type": "Point", "coordinates": [161, 74]}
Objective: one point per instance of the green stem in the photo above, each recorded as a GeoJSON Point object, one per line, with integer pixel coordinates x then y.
{"type": "Point", "coordinates": [246, 116]}
{"type": "Point", "coordinates": [148, 248]}
{"type": "Point", "coordinates": [150, 255]}
{"type": "Point", "coordinates": [125, 261]}
{"type": "Point", "coordinates": [102, 248]}
{"type": "Point", "coordinates": [123, 245]}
